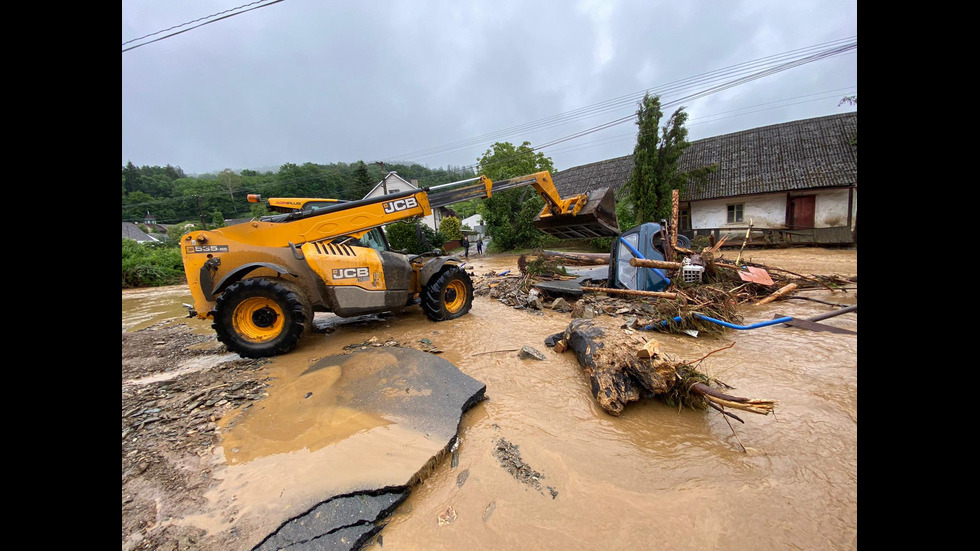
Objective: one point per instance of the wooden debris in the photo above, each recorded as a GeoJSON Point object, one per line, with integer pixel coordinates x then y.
{"type": "Point", "coordinates": [657, 294]}
{"type": "Point", "coordinates": [781, 292]}
{"type": "Point", "coordinates": [715, 247]}
{"type": "Point", "coordinates": [649, 350]}
{"type": "Point", "coordinates": [577, 258]}
{"type": "Point", "coordinates": [662, 264]}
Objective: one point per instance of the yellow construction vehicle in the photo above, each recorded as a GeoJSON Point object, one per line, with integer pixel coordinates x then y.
{"type": "Point", "coordinates": [260, 282]}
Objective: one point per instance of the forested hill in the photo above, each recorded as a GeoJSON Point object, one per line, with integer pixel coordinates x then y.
{"type": "Point", "coordinates": [172, 197]}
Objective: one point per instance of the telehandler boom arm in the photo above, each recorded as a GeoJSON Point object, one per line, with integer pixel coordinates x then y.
{"type": "Point", "coordinates": [586, 215]}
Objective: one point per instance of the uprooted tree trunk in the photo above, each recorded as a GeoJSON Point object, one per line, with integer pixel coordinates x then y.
{"type": "Point", "coordinates": [626, 370]}
{"type": "Point", "coordinates": [585, 259]}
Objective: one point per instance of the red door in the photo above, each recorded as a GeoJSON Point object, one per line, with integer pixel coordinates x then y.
{"type": "Point", "coordinates": [801, 210]}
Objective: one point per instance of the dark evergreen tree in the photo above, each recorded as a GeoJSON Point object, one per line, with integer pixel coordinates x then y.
{"type": "Point", "coordinates": [656, 159]}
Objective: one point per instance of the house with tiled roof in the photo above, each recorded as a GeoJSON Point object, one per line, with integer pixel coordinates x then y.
{"type": "Point", "coordinates": [132, 231]}
{"type": "Point", "coordinates": [794, 182]}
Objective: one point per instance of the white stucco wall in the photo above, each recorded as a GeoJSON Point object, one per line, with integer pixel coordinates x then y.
{"type": "Point", "coordinates": [769, 211]}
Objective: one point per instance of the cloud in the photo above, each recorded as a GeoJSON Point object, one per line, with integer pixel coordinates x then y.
{"type": "Point", "coordinates": [305, 81]}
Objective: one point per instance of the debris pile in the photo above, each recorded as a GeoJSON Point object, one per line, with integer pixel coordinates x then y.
{"type": "Point", "coordinates": [721, 288]}
{"type": "Point", "coordinates": [509, 456]}
{"type": "Point", "coordinates": [425, 345]}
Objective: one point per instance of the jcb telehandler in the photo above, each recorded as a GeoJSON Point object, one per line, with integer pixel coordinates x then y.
{"type": "Point", "coordinates": [260, 282]}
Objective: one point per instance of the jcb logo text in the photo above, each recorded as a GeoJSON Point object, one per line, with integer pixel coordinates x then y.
{"type": "Point", "coordinates": [350, 273]}
{"type": "Point", "coordinates": [401, 204]}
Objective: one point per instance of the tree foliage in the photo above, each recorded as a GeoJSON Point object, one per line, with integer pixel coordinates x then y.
{"type": "Point", "coordinates": [509, 215]}
{"type": "Point", "coordinates": [449, 228]}
{"type": "Point", "coordinates": [150, 265]}
{"type": "Point", "coordinates": [362, 180]}
{"type": "Point", "coordinates": [655, 159]}
{"type": "Point", "coordinates": [172, 196]}
{"type": "Point", "coordinates": [467, 208]}
{"type": "Point", "coordinates": [414, 236]}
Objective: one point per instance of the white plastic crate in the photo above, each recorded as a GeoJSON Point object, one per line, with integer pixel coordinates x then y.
{"type": "Point", "coordinates": [692, 274]}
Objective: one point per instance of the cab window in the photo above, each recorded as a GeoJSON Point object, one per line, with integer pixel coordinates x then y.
{"type": "Point", "coordinates": [375, 239]}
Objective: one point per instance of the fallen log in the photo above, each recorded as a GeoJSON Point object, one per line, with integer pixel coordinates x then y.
{"type": "Point", "coordinates": [662, 264]}
{"type": "Point", "coordinates": [611, 370]}
{"type": "Point", "coordinates": [626, 370]}
{"type": "Point", "coordinates": [781, 292]}
{"type": "Point", "coordinates": [588, 259]}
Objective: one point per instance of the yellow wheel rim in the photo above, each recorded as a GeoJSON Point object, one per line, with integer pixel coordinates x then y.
{"type": "Point", "coordinates": [454, 296]}
{"type": "Point", "coordinates": [258, 319]}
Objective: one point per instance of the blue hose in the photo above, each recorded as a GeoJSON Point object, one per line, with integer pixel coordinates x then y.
{"type": "Point", "coordinates": [776, 321]}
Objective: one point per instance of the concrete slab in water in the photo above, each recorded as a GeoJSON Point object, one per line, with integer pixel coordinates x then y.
{"type": "Point", "coordinates": [335, 451]}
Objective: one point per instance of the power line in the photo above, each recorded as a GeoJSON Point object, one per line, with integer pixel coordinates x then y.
{"type": "Point", "coordinates": [778, 67]}
{"type": "Point", "coordinates": [769, 65]}
{"type": "Point", "coordinates": [198, 26]}
{"type": "Point", "coordinates": [680, 86]}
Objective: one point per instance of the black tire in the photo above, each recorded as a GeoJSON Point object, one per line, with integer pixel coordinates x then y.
{"type": "Point", "coordinates": [260, 317]}
{"type": "Point", "coordinates": [448, 295]}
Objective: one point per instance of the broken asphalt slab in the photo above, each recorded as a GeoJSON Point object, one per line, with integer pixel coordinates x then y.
{"type": "Point", "coordinates": [573, 287]}
{"type": "Point", "coordinates": [569, 288]}
{"type": "Point", "coordinates": [344, 522]}
{"type": "Point", "coordinates": [407, 406]}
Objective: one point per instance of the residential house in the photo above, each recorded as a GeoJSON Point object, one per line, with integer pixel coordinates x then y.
{"type": "Point", "coordinates": [794, 182]}
{"type": "Point", "coordinates": [475, 223]}
{"type": "Point", "coordinates": [393, 183]}
{"type": "Point", "coordinates": [132, 231]}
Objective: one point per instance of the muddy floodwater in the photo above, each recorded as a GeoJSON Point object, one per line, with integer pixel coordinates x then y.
{"type": "Point", "coordinates": [653, 478]}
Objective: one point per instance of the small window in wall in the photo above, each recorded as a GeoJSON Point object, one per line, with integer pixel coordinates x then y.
{"type": "Point", "coordinates": [684, 219]}
{"type": "Point", "coordinates": [735, 213]}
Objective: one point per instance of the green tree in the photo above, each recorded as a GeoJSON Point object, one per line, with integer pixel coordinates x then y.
{"type": "Point", "coordinates": [176, 231]}
{"type": "Point", "coordinates": [230, 182]}
{"type": "Point", "coordinates": [414, 236]}
{"type": "Point", "coordinates": [362, 181]}
{"type": "Point", "coordinates": [449, 228]}
{"type": "Point", "coordinates": [258, 210]}
{"type": "Point", "coordinates": [656, 161]}
{"type": "Point", "coordinates": [509, 215]}
{"type": "Point", "coordinates": [467, 208]}
{"type": "Point", "coordinates": [217, 219]}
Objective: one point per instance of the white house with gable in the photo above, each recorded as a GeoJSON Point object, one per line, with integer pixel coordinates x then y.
{"type": "Point", "coordinates": [393, 183]}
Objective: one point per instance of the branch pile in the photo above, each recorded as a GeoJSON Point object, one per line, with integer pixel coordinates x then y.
{"type": "Point", "coordinates": [718, 295]}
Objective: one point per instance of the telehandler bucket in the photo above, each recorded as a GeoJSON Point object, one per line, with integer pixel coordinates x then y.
{"type": "Point", "coordinates": [597, 218]}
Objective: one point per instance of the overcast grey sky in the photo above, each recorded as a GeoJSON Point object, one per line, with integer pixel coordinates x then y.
{"type": "Point", "coordinates": [438, 82]}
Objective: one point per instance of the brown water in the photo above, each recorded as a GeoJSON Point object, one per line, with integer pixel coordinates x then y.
{"type": "Point", "coordinates": [654, 478]}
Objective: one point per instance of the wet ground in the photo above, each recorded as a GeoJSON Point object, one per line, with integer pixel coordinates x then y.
{"type": "Point", "coordinates": [539, 464]}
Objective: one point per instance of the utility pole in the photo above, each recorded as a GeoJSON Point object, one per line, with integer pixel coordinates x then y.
{"type": "Point", "coordinates": [384, 177]}
{"type": "Point", "coordinates": [200, 208]}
